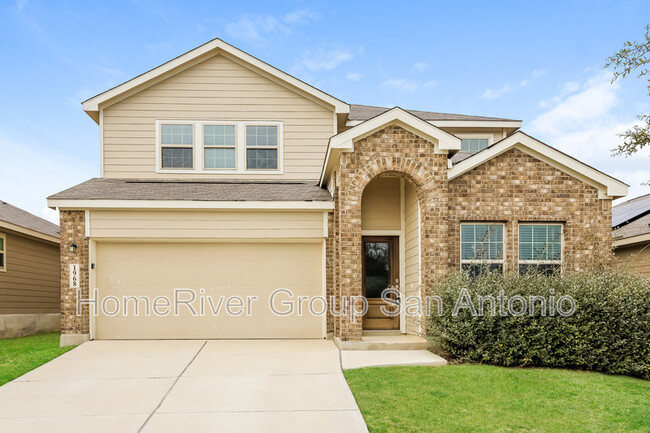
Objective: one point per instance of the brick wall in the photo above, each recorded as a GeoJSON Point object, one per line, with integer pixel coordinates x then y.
{"type": "Point", "coordinates": [73, 230]}
{"type": "Point", "coordinates": [515, 187]}
{"type": "Point", "coordinates": [511, 188]}
{"type": "Point", "coordinates": [392, 150]}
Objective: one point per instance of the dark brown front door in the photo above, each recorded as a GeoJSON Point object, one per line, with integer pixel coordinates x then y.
{"type": "Point", "coordinates": [380, 271]}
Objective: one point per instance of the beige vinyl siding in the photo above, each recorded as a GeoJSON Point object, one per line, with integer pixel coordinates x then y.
{"type": "Point", "coordinates": [216, 224]}
{"type": "Point", "coordinates": [31, 281]}
{"type": "Point", "coordinates": [213, 270]}
{"type": "Point", "coordinates": [636, 258]}
{"type": "Point", "coordinates": [380, 205]}
{"type": "Point", "coordinates": [219, 88]}
{"type": "Point", "coordinates": [412, 250]}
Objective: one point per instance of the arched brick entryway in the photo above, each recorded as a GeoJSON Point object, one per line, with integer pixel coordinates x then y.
{"type": "Point", "coordinates": [399, 152]}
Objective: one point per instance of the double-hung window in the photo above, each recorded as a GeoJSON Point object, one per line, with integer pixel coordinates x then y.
{"type": "Point", "coordinates": [481, 247]}
{"type": "Point", "coordinates": [540, 248]}
{"type": "Point", "coordinates": [261, 147]}
{"type": "Point", "coordinates": [3, 252]}
{"type": "Point", "coordinates": [215, 146]}
{"type": "Point", "coordinates": [473, 145]}
{"type": "Point", "coordinates": [219, 147]}
{"type": "Point", "coordinates": [177, 146]}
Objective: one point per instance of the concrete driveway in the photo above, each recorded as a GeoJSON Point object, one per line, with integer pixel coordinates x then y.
{"type": "Point", "coordinates": [172, 386]}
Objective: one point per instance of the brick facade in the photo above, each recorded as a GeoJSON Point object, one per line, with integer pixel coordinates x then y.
{"type": "Point", "coordinates": [73, 231]}
{"type": "Point", "coordinates": [515, 187]}
{"type": "Point", "coordinates": [511, 188]}
{"type": "Point", "coordinates": [392, 150]}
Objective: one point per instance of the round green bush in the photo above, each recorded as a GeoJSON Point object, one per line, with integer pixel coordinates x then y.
{"type": "Point", "coordinates": [608, 332]}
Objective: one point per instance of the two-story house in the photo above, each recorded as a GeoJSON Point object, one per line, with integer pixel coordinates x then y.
{"type": "Point", "coordinates": [227, 176]}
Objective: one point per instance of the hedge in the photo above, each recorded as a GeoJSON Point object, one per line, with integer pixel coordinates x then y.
{"type": "Point", "coordinates": [608, 332]}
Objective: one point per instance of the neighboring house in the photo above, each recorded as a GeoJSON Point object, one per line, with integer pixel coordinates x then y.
{"type": "Point", "coordinates": [30, 294]}
{"type": "Point", "coordinates": [221, 172]}
{"type": "Point", "coordinates": [631, 225]}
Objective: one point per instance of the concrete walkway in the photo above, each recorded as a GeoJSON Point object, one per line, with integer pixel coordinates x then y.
{"type": "Point", "coordinates": [172, 386]}
{"type": "Point", "coordinates": [385, 358]}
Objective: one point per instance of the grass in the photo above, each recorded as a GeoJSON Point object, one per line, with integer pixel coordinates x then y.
{"type": "Point", "coordinates": [481, 398]}
{"type": "Point", "coordinates": [20, 355]}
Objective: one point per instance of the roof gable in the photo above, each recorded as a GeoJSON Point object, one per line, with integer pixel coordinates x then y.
{"type": "Point", "coordinates": [396, 116]}
{"type": "Point", "coordinates": [607, 186]}
{"type": "Point", "coordinates": [197, 55]}
{"type": "Point", "coordinates": [344, 142]}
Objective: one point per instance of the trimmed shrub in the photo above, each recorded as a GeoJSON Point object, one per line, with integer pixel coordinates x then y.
{"type": "Point", "coordinates": [608, 332]}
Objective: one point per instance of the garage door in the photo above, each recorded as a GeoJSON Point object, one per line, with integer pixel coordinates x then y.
{"type": "Point", "coordinates": [215, 290]}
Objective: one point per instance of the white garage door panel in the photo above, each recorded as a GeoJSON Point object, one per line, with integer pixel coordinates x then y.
{"type": "Point", "coordinates": [212, 270]}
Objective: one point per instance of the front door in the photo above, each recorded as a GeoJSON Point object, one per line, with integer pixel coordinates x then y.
{"type": "Point", "coordinates": [380, 271]}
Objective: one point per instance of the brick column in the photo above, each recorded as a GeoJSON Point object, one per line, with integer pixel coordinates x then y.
{"type": "Point", "coordinates": [74, 328]}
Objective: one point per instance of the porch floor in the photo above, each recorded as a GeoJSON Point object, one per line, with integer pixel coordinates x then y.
{"type": "Point", "coordinates": [384, 340]}
{"type": "Point", "coordinates": [387, 348]}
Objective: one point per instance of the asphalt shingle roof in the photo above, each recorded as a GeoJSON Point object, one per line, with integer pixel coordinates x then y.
{"type": "Point", "coordinates": [194, 190]}
{"type": "Point", "coordinates": [365, 112]}
{"type": "Point", "coordinates": [13, 215]}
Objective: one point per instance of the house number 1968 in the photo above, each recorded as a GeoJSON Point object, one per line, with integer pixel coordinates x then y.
{"type": "Point", "coordinates": [74, 276]}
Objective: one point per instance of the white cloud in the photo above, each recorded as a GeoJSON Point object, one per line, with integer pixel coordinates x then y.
{"type": "Point", "coordinates": [301, 16]}
{"type": "Point", "coordinates": [408, 86]}
{"type": "Point", "coordinates": [420, 67]}
{"type": "Point", "coordinates": [583, 121]}
{"type": "Point", "coordinates": [494, 94]}
{"type": "Point", "coordinates": [325, 58]}
{"type": "Point", "coordinates": [354, 76]}
{"type": "Point", "coordinates": [507, 88]}
{"type": "Point", "coordinates": [256, 28]}
{"type": "Point", "coordinates": [595, 100]}
{"type": "Point", "coordinates": [35, 173]}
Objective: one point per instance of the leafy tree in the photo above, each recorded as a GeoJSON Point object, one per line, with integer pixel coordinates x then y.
{"type": "Point", "coordinates": [633, 57]}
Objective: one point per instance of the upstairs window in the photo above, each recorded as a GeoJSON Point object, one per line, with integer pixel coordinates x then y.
{"type": "Point", "coordinates": [481, 248]}
{"type": "Point", "coordinates": [177, 145]}
{"type": "Point", "coordinates": [473, 145]}
{"type": "Point", "coordinates": [540, 248]}
{"type": "Point", "coordinates": [219, 147]}
{"type": "Point", "coordinates": [3, 252]}
{"type": "Point", "coordinates": [261, 147]}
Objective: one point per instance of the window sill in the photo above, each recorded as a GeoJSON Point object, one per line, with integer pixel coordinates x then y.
{"type": "Point", "coordinates": [218, 171]}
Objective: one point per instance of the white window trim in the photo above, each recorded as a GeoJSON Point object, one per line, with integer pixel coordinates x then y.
{"type": "Point", "coordinates": [488, 135]}
{"type": "Point", "coordinates": [240, 147]}
{"type": "Point", "coordinates": [541, 262]}
{"type": "Point", "coordinates": [201, 156]}
{"type": "Point", "coordinates": [482, 261]}
{"type": "Point", "coordinates": [4, 252]}
{"type": "Point", "coordinates": [159, 147]}
{"type": "Point", "coordinates": [246, 147]}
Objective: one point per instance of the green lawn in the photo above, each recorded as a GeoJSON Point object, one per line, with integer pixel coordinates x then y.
{"type": "Point", "coordinates": [20, 355]}
{"type": "Point", "coordinates": [481, 398]}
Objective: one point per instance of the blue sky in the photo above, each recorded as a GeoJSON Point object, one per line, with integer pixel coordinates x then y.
{"type": "Point", "coordinates": [541, 62]}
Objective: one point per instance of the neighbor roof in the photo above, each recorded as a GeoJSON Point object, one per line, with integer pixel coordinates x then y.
{"type": "Point", "coordinates": [194, 190]}
{"type": "Point", "coordinates": [365, 112]}
{"type": "Point", "coordinates": [12, 217]}
{"type": "Point", "coordinates": [626, 212]}
{"type": "Point", "coordinates": [637, 230]}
